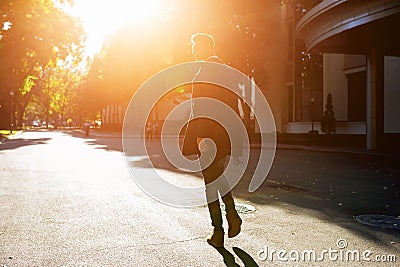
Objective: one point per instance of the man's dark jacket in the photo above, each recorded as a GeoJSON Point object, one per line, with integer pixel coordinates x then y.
{"type": "Point", "coordinates": [203, 127]}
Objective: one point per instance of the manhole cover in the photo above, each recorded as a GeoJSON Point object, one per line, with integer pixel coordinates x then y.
{"type": "Point", "coordinates": [378, 220]}
{"type": "Point", "coordinates": [241, 208]}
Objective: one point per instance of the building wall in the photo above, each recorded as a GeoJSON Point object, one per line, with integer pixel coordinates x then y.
{"type": "Point", "coordinates": [335, 83]}
{"type": "Point", "coordinates": [287, 31]}
{"type": "Point", "coordinates": [349, 101]}
{"type": "Point", "coordinates": [112, 116]}
{"type": "Point", "coordinates": [277, 57]}
{"type": "Point", "coordinates": [392, 95]}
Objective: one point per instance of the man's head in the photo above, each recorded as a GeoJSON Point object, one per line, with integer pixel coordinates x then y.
{"type": "Point", "coordinates": [203, 46]}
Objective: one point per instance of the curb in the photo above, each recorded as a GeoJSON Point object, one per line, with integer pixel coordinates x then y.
{"type": "Point", "coordinates": [12, 137]}
{"type": "Point", "coordinates": [328, 150]}
{"type": "Point", "coordinates": [106, 135]}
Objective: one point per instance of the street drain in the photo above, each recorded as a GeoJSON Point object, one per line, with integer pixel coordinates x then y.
{"type": "Point", "coordinates": [241, 208]}
{"type": "Point", "coordinates": [378, 220]}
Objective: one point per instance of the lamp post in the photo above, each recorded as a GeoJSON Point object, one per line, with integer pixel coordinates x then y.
{"type": "Point", "coordinates": [11, 111]}
{"type": "Point", "coordinates": [312, 114]}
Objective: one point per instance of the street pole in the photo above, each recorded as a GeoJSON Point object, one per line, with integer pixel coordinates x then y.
{"type": "Point", "coordinates": [11, 112]}
{"type": "Point", "coordinates": [312, 114]}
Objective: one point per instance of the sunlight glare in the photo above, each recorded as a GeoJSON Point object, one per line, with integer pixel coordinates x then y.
{"type": "Point", "coordinates": [101, 18]}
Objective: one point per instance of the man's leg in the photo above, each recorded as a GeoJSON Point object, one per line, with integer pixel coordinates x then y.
{"type": "Point", "coordinates": [233, 218]}
{"type": "Point", "coordinates": [234, 221]}
{"type": "Point", "coordinates": [216, 216]}
{"type": "Point", "coordinates": [211, 173]}
{"type": "Point", "coordinates": [229, 202]}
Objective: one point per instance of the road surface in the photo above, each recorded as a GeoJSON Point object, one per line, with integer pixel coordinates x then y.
{"type": "Point", "coordinates": [68, 200]}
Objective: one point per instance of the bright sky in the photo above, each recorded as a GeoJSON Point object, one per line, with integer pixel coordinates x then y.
{"type": "Point", "coordinates": [103, 17]}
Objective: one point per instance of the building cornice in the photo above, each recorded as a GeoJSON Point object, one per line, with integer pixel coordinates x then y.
{"type": "Point", "coordinates": [333, 17]}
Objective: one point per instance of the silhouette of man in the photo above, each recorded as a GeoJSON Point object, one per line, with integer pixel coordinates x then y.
{"type": "Point", "coordinates": [203, 49]}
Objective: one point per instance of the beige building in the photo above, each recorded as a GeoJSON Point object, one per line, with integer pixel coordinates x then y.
{"type": "Point", "coordinates": [355, 52]}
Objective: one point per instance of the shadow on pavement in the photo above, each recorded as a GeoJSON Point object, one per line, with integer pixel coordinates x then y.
{"type": "Point", "coordinates": [350, 184]}
{"type": "Point", "coordinates": [107, 141]}
{"type": "Point", "coordinates": [329, 185]}
{"type": "Point", "coordinates": [246, 258]}
{"type": "Point", "coordinates": [333, 187]}
{"type": "Point", "coordinates": [229, 259]}
{"type": "Point", "coordinates": [14, 144]}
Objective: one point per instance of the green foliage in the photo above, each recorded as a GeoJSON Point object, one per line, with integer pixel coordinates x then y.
{"type": "Point", "coordinates": [28, 84]}
{"type": "Point", "coordinates": [39, 33]}
{"type": "Point", "coordinates": [60, 83]}
{"type": "Point", "coordinates": [41, 50]}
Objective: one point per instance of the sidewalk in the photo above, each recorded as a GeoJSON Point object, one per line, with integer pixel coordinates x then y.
{"type": "Point", "coordinates": [351, 150]}
{"type": "Point", "coordinates": [11, 136]}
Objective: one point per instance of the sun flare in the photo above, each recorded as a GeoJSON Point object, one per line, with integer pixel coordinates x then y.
{"type": "Point", "coordinates": [101, 18]}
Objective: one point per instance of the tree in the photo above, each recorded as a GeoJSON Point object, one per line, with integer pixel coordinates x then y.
{"type": "Point", "coordinates": [92, 95]}
{"type": "Point", "coordinates": [131, 56]}
{"type": "Point", "coordinates": [37, 32]}
{"type": "Point", "coordinates": [242, 31]}
{"type": "Point", "coordinates": [328, 119]}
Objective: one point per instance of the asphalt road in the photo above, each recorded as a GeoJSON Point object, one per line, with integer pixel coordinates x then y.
{"type": "Point", "coordinates": [67, 200]}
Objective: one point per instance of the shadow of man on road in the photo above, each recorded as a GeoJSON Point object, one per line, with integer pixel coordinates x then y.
{"type": "Point", "coordinates": [229, 258]}
{"type": "Point", "coordinates": [245, 257]}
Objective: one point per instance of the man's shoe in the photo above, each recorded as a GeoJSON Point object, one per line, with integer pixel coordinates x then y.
{"type": "Point", "coordinates": [216, 239]}
{"type": "Point", "coordinates": [234, 223]}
